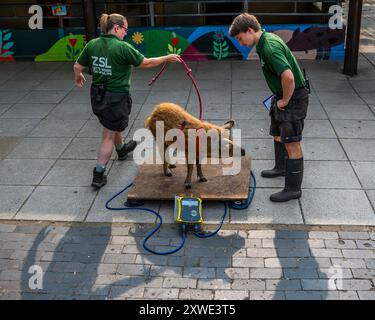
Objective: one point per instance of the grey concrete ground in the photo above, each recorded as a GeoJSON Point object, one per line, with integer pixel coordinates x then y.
{"type": "Point", "coordinates": [319, 247]}
{"type": "Point", "coordinates": [51, 138]}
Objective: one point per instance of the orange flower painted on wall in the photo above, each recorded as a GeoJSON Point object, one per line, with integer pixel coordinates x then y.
{"type": "Point", "coordinates": [137, 38]}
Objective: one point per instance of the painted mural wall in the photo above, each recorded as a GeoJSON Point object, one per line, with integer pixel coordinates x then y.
{"type": "Point", "coordinates": [316, 42]}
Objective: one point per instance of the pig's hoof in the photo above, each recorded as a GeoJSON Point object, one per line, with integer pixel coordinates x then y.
{"type": "Point", "coordinates": [172, 166]}
{"type": "Point", "coordinates": [187, 185]}
{"type": "Point", "coordinates": [169, 174]}
{"type": "Point", "coordinates": [202, 179]}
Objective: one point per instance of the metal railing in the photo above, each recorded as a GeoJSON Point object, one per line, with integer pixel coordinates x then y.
{"type": "Point", "coordinates": [150, 10]}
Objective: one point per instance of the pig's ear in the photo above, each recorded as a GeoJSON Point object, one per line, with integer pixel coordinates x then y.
{"type": "Point", "coordinates": [228, 125]}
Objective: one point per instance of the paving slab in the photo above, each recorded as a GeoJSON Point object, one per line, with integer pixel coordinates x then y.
{"type": "Point", "coordinates": [253, 85]}
{"type": "Point", "coordinates": [254, 128]}
{"type": "Point", "coordinates": [349, 112]}
{"type": "Point", "coordinates": [344, 98]}
{"type": "Point", "coordinates": [354, 129]}
{"type": "Point", "coordinates": [39, 148]}
{"type": "Point", "coordinates": [57, 128]}
{"type": "Point", "coordinates": [222, 96]}
{"type": "Point", "coordinates": [122, 173]}
{"type": "Point", "coordinates": [318, 129]}
{"type": "Point", "coordinates": [83, 148]}
{"type": "Point", "coordinates": [4, 107]}
{"type": "Point", "coordinates": [212, 111]}
{"type": "Point", "coordinates": [368, 97]}
{"type": "Point", "coordinates": [182, 84]}
{"type": "Point", "coordinates": [98, 212]}
{"type": "Point", "coordinates": [57, 204]}
{"type": "Point", "coordinates": [76, 97]}
{"type": "Point", "coordinates": [319, 174]}
{"type": "Point", "coordinates": [72, 111]}
{"type": "Point", "coordinates": [28, 111]}
{"type": "Point", "coordinates": [361, 150]}
{"type": "Point", "coordinates": [363, 86]}
{"type": "Point", "coordinates": [326, 85]}
{"type": "Point", "coordinates": [338, 207]}
{"type": "Point", "coordinates": [246, 97]}
{"type": "Point", "coordinates": [11, 199]}
{"type": "Point", "coordinates": [316, 112]}
{"type": "Point", "coordinates": [23, 171]}
{"type": "Point", "coordinates": [259, 148]}
{"type": "Point", "coordinates": [322, 149]}
{"type": "Point", "coordinates": [17, 127]}
{"type": "Point", "coordinates": [7, 144]}
{"type": "Point", "coordinates": [15, 85]}
{"type": "Point", "coordinates": [72, 173]}
{"type": "Point", "coordinates": [371, 195]}
{"type": "Point", "coordinates": [264, 211]}
{"type": "Point", "coordinates": [366, 173]}
{"type": "Point", "coordinates": [250, 112]}
{"type": "Point", "coordinates": [12, 96]}
{"type": "Point", "coordinates": [46, 96]}
{"type": "Point", "coordinates": [52, 84]}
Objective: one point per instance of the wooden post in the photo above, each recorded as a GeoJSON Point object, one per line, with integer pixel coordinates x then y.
{"type": "Point", "coordinates": [353, 32]}
{"type": "Point", "coordinates": [90, 19]}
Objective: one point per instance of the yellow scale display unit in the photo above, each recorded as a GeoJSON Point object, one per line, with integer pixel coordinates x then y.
{"type": "Point", "coordinates": [188, 210]}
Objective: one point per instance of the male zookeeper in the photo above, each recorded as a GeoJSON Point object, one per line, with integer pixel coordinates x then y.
{"type": "Point", "coordinates": [288, 111]}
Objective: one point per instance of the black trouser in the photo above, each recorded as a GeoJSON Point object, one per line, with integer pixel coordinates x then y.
{"type": "Point", "coordinates": [111, 108]}
{"type": "Point", "coordinates": [288, 124]}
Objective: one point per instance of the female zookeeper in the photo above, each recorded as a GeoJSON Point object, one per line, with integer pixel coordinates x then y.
{"type": "Point", "coordinates": [110, 61]}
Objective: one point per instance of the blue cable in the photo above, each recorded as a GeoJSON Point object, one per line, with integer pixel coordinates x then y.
{"type": "Point", "coordinates": [245, 204]}
{"type": "Point", "coordinates": [211, 234]}
{"type": "Point", "coordinates": [153, 230]}
{"type": "Point", "coordinates": [241, 206]}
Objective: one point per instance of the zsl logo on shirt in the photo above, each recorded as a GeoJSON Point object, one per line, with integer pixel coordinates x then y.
{"type": "Point", "coordinates": [100, 65]}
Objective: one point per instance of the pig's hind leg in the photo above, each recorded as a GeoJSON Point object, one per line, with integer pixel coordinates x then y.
{"type": "Point", "coordinates": [200, 173]}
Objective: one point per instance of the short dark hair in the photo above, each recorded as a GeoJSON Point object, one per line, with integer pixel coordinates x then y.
{"type": "Point", "coordinates": [242, 22]}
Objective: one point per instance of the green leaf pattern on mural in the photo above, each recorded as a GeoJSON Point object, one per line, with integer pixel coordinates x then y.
{"type": "Point", "coordinates": [221, 47]}
{"type": "Point", "coordinates": [5, 44]}
{"type": "Point", "coordinates": [7, 36]}
{"type": "Point", "coordinates": [170, 48]}
{"type": "Point", "coordinates": [7, 54]}
{"type": "Point", "coordinates": [72, 54]}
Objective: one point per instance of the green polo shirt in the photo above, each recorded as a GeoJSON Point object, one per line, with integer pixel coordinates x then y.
{"type": "Point", "coordinates": [276, 57]}
{"type": "Point", "coordinates": [110, 61]}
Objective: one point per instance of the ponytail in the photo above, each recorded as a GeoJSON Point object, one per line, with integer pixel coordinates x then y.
{"type": "Point", "coordinates": [104, 23]}
{"type": "Point", "coordinates": [107, 22]}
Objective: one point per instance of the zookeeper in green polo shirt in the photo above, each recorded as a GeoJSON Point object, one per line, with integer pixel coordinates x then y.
{"type": "Point", "coordinates": [110, 60]}
{"type": "Point", "coordinates": [289, 107]}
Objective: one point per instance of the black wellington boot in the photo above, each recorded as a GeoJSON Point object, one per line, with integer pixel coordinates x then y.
{"type": "Point", "coordinates": [280, 155]}
{"type": "Point", "coordinates": [293, 181]}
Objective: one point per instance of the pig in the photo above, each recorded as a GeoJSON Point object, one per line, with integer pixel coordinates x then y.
{"type": "Point", "coordinates": [176, 117]}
